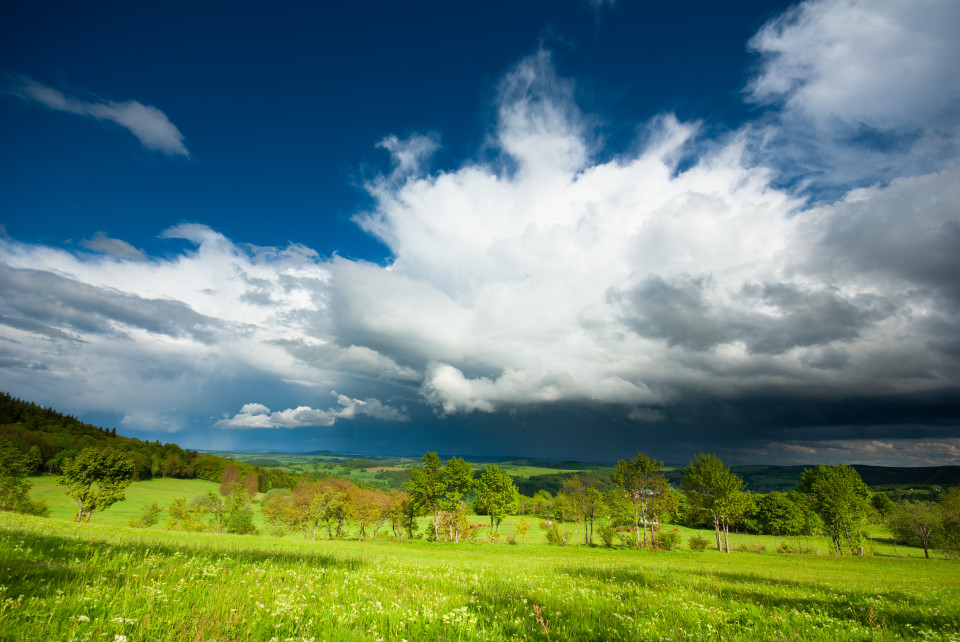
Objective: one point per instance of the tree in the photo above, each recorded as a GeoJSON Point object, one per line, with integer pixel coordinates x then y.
{"type": "Point", "coordinates": [637, 480]}
{"type": "Point", "coordinates": [841, 499]}
{"type": "Point", "coordinates": [497, 495]}
{"type": "Point", "coordinates": [204, 504]}
{"type": "Point", "coordinates": [13, 478]}
{"type": "Point", "coordinates": [950, 509]}
{"type": "Point", "coordinates": [426, 487]}
{"type": "Point", "coordinates": [711, 489]}
{"type": "Point", "coordinates": [916, 524]}
{"type": "Point", "coordinates": [882, 503]}
{"type": "Point", "coordinates": [778, 514]}
{"type": "Point", "coordinates": [458, 480]}
{"type": "Point", "coordinates": [251, 484]}
{"type": "Point", "coordinates": [522, 528]}
{"type": "Point", "coordinates": [230, 479]}
{"type": "Point", "coordinates": [96, 479]}
{"type": "Point", "coordinates": [542, 503]}
{"type": "Point", "coordinates": [238, 513]}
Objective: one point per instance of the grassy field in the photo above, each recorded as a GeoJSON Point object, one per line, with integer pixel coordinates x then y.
{"type": "Point", "coordinates": [104, 581]}
{"type": "Point", "coordinates": [67, 581]}
{"type": "Point", "coordinates": [164, 491]}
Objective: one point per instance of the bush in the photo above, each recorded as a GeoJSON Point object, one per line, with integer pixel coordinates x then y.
{"type": "Point", "coordinates": [787, 548]}
{"type": "Point", "coordinates": [607, 534]}
{"type": "Point", "coordinates": [666, 540]}
{"type": "Point", "coordinates": [555, 534]}
{"type": "Point", "coordinates": [751, 548]}
{"type": "Point", "coordinates": [698, 543]}
{"type": "Point", "coordinates": [149, 516]}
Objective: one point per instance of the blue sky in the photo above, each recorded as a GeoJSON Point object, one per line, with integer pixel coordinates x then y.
{"type": "Point", "coordinates": [557, 229]}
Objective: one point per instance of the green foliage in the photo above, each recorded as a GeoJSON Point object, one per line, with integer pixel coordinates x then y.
{"type": "Point", "coordinates": [698, 543]}
{"type": "Point", "coordinates": [916, 524]}
{"type": "Point", "coordinates": [711, 489]}
{"type": "Point", "coordinates": [13, 477]}
{"type": "Point", "coordinates": [842, 500]}
{"type": "Point", "coordinates": [239, 514]}
{"type": "Point", "coordinates": [522, 527]}
{"type": "Point", "coordinates": [881, 503]}
{"type": "Point", "coordinates": [50, 438]}
{"type": "Point", "coordinates": [778, 513]}
{"type": "Point", "coordinates": [666, 540]}
{"type": "Point", "coordinates": [457, 482]}
{"type": "Point", "coordinates": [542, 503]}
{"type": "Point", "coordinates": [556, 533]}
{"type": "Point", "coordinates": [96, 479]}
{"type": "Point", "coordinates": [427, 486]}
{"type": "Point", "coordinates": [496, 495]}
{"type": "Point", "coordinates": [950, 510]}
{"type": "Point", "coordinates": [608, 533]}
{"type": "Point", "coordinates": [149, 516]}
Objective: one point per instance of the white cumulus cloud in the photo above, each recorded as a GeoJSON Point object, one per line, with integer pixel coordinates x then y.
{"type": "Point", "coordinates": [255, 415]}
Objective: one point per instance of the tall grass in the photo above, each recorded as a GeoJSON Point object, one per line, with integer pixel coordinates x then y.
{"type": "Point", "coordinates": [66, 581]}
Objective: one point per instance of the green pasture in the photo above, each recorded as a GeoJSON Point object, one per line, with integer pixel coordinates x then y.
{"type": "Point", "coordinates": [165, 490]}
{"type": "Point", "coordinates": [68, 581]}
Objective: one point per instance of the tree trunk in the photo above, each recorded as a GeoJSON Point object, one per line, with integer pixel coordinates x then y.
{"type": "Point", "coordinates": [643, 521]}
{"type": "Point", "coordinates": [716, 531]}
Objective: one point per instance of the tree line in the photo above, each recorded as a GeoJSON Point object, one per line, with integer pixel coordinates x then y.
{"type": "Point", "coordinates": [46, 439]}
{"type": "Point", "coordinates": [631, 505]}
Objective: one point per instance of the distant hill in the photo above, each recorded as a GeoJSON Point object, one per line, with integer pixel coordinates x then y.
{"type": "Point", "coordinates": [764, 479]}
{"type": "Point", "coordinates": [53, 437]}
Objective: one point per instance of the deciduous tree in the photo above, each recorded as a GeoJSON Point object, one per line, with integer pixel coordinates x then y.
{"type": "Point", "coordinates": [638, 480]}
{"type": "Point", "coordinates": [496, 495]}
{"type": "Point", "coordinates": [841, 499]}
{"type": "Point", "coordinates": [13, 477]}
{"type": "Point", "coordinates": [96, 479]}
{"type": "Point", "coordinates": [711, 489]}
{"type": "Point", "coordinates": [917, 524]}
{"type": "Point", "coordinates": [427, 486]}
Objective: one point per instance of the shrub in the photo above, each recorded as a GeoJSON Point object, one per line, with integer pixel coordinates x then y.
{"type": "Point", "coordinates": [607, 534]}
{"type": "Point", "coordinates": [666, 540]}
{"type": "Point", "coordinates": [788, 548]}
{"type": "Point", "coordinates": [751, 548]}
{"type": "Point", "coordinates": [149, 516]}
{"type": "Point", "coordinates": [698, 542]}
{"type": "Point", "coordinates": [555, 534]}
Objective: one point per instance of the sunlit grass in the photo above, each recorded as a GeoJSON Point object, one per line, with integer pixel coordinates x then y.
{"type": "Point", "coordinates": [60, 580]}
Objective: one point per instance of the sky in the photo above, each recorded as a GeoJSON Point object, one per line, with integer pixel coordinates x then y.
{"type": "Point", "coordinates": [557, 229]}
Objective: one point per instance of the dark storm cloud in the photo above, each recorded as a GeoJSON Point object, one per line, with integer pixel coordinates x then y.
{"type": "Point", "coordinates": [42, 302]}
{"type": "Point", "coordinates": [771, 318]}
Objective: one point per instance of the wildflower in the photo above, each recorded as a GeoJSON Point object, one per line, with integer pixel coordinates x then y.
{"type": "Point", "coordinates": [82, 618]}
{"type": "Point", "coordinates": [119, 638]}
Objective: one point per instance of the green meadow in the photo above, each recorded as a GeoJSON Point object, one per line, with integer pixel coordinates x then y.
{"type": "Point", "coordinates": [60, 580]}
